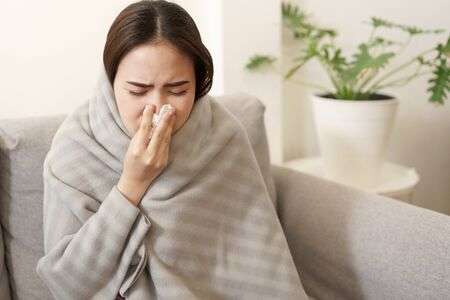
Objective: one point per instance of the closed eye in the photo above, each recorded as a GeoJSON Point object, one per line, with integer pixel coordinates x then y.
{"type": "Point", "coordinates": [142, 93]}
{"type": "Point", "coordinates": [178, 94]}
{"type": "Point", "coordinates": [136, 93]}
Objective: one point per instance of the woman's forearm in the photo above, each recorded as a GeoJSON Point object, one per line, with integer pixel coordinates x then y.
{"type": "Point", "coordinates": [93, 260]}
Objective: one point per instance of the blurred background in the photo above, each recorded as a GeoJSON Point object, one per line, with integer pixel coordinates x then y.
{"type": "Point", "coordinates": [51, 52]}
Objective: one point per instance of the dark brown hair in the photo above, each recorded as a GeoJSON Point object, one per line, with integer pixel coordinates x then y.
{"type": "Point", "coordinates": [154, 21]}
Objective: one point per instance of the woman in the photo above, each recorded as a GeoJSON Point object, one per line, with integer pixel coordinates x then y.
{"type": "Point", "coordinates": [178, 210]}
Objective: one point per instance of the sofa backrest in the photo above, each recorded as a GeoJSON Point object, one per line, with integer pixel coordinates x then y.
{"type": "Point", "coordinates": [24, 144]}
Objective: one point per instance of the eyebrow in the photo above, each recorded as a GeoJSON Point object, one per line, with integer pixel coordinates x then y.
{"type": "Point", "coordinates": [170, 84]}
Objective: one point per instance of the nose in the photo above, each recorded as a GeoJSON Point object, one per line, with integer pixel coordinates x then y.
{"type": "Point", "coordinates": [157, 100]}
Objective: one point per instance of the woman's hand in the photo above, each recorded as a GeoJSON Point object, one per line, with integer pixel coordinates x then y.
{"type": "Point", "coordinates": [147, 155]}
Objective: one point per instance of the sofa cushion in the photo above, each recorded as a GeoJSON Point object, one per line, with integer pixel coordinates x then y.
{"type": "Point", "coordinates": [4, 281]}
{"type": "Point", "coordinates": [24, 144]}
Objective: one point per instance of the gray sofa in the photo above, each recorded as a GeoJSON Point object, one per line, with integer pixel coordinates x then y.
{"type": "Point", "coordinates": [347, 244]}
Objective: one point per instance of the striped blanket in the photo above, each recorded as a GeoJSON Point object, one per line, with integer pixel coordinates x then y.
{"type": "Point", "coordinates": [205, 229]}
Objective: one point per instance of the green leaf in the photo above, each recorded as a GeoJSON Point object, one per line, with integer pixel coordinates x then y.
{"type": "Point", "coordinates": [444, 49]}
{"type": "Point", "coordinates": [319, 33]}
{"type": "Point", "coordinates": [297, 21]}
{"type": "Point", "coordinates": [292, 16]}
{"type": "Point", "coordinates": [440, 83]}
{"type": "Point", "coordinates": [424, 62]}
{"type": "Point", "coordinates": [413, 30]}
{"type": "Point", "coordinates": [380, 41]}
{"type": "Point", "coordinates": [258, 61]}
{"type": "Point", "coordinates": [363, 60]}
{"type": "Point", "coordinates": [378, 22]}
{"type": "Point", "coordinates": [338, 62]}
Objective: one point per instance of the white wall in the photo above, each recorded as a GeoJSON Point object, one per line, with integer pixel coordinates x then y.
{"type": "Point", "coordinates": [421, 136]}
{"type": "Point", "coordinates": [51, 51]}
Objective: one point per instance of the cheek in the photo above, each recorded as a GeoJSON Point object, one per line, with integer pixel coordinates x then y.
{"type": "Point", "coordinates": [183, 112]}
{"type": "Point", "coordinates": [130, 114]}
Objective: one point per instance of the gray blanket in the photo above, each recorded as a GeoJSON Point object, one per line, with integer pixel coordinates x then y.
{"type": "Point", "coordinates": [205, 229]}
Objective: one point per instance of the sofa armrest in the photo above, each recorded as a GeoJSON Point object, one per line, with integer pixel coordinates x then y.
{"type": "Point", "coordinates": [350, 244]}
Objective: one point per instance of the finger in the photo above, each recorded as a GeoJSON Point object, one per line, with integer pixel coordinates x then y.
{"type": "Point", "coordinates": [151, 133]}
{"type": "Point", "coordinates": [145, 127]}
{"type": "Point", "coordinates": [167, 136]}
{"type": "Point", "coordinates": [159, 132]}
{"type": "Point", "coordinates": [172, 122]}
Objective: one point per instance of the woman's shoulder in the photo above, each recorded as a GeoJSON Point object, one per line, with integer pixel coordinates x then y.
{"type": "Point", "coordinates": [240, 103]}
{"type": "Point", "coordinates": [75, 121]}
{"type": "Point", "coordinates": [246, 109]}
{"type": "Point", "coordinates": [73, 129]}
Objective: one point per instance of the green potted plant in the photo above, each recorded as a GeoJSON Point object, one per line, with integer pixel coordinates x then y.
{"type": "Point", "coordinates": [355, 117]}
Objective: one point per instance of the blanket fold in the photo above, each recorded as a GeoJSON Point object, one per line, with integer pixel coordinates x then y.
{"type": "Point", "coordinates": [205, 229]}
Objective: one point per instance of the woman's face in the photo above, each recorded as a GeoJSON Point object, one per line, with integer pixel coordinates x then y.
{"type": "Point", "coordinates": [155, 74]}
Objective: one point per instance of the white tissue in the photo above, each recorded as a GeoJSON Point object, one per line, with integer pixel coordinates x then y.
{"type": "Point", "coordinates": [157, 117]}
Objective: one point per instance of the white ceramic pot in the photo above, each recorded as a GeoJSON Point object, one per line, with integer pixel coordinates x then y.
{"type": "Point", "coordinates": [353, 137]}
